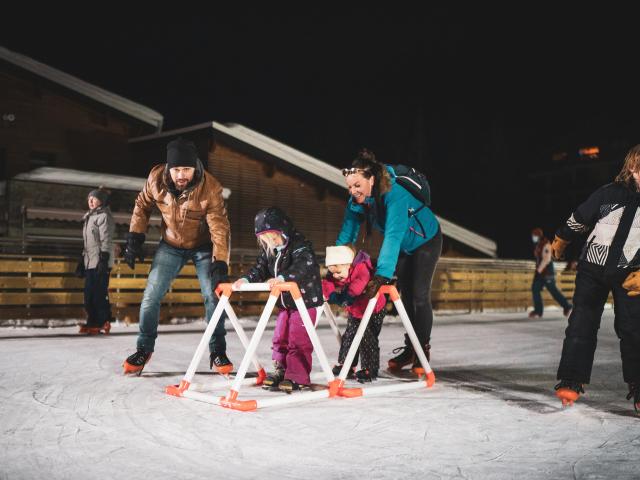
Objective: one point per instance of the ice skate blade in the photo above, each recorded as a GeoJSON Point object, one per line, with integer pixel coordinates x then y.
{"type": "Point", "coordinates": [128, 368]}
{"type": "Point", "coordinates": [567, 396]}
{"type": "Point", "coordinates": [225, 370]}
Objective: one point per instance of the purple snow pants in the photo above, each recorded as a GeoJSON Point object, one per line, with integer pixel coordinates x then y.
{"type": "Point", "coordinates": [292, 346]}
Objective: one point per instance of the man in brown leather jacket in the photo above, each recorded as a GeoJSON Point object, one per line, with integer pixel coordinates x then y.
{"type": "Point", "coordinates": [194, 227]}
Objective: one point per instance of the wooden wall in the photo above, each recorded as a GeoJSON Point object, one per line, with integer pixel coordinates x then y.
{"type": "Point", "coordinates": [59, 125]}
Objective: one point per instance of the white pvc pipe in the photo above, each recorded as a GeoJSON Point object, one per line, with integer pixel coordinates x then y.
{"type": "Point", "coordinates": [202, 397]}
{"type": "Point", "coordinates": [355, 344]}
{"type": "Point", "coordinates": [241, 333]}
{"type": "Point", "coordinates": [221, 383]}
{"type": "Point", "coordinates": [296, 397]}
{"type": "Point", "coordinates": [253, 344]}
{"type": "Point", "coordinates": [396, 387]}
{"type": "Point", "coordinates": [313, 336]}
{"type": "Point", "coordinates": [204, 341]}
{"type": "Point", "coordinates": [417, 348]}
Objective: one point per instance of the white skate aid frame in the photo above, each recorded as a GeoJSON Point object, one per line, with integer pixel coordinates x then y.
{"type": "Point", "coordinates": [335, 386]}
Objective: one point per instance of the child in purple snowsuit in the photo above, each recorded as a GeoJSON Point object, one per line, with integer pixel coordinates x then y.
{"type": "Point", "coordinates": [286, 256]}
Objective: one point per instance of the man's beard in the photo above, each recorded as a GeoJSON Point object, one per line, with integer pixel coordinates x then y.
{"type": "Point", "coordinates": [180, 186]}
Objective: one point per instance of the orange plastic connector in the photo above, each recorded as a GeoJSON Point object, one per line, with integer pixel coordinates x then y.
{"type": "Point", "coordinates": [261, 376]}
{"type": "Point", "coordinates": [231, 401]}
{"type": "Point", "coordinates": [350, 392]}
{"type": "Point", "coordinates": [335, 386]}
{"type": "Point", "coordinates": [290, 287]}
{"type": "Point", "coordinates": [567, 396]}
{"type": "Point", "coordinates": [223, 289]}
{"type": "Point", "coordinates": [431, 378]}
{"type": "Point", "coordinates": [391, 290]}
{"type": "Point", "coordinates": [177, 390]}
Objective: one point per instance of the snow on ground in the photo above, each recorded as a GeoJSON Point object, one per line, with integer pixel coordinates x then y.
{"type": "Point", "coordinates": [69, 413]}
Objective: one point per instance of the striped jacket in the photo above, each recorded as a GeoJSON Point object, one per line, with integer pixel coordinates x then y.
{"type": "Point", "coordinates": [613, 236]}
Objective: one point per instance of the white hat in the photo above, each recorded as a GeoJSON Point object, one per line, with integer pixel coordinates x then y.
{"type": "Point", "coordinates": [339, 256]}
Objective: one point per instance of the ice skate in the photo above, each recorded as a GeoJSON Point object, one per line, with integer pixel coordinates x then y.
{"type": "Point", "coordinates": [135, 363]}
{"type": "Point", "coordinates": [289, 386]}
{"type": "Point", "coordinates": [568, 391]}
{"type": "Point", "coordinates": [85, 329]}
{"type": "Point", "coordinates": [406, 355]}
{"type": "Point", "coordinates": [222, 363]}
{"type": "Point", "coordinates": [366, 375]}
{"type": "Point", "coordinates": [338, 368]}
{"type": "Point", "coordinates": [273, 379]}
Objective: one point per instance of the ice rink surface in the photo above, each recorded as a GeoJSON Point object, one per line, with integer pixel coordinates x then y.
{"type": "Point", "coordinates": [69, 413]}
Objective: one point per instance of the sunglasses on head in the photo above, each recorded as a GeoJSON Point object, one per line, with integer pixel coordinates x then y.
{"type": "Point", "coordinates": [350, 171]}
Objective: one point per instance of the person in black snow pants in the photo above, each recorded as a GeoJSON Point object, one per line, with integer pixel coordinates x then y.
{"type": "Point", "coordinates": [609, 263]}
{"type": "Point", "coordinates": [411, 247]}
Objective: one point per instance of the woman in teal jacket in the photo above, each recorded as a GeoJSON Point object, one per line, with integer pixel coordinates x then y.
{"type": "Point", "coordinates": [411, 247]}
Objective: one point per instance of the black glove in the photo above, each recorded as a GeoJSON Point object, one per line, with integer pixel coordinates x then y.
{"type": "Point", "coordinates": [133, 249]}
{"type": "Point", "coordinates": [374, 285]}
{"type": "Point", "coordinates": [219, 273]}
{"type": "Point", "coordinates": [80, 268]}
{"type": "Point", "coordinates": [103, 263]}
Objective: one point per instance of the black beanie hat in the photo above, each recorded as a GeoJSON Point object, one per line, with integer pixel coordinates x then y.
{"type": "Point", "coordinates": [181, 153]}
{"type": "Point", "coordinates": [101, 194]}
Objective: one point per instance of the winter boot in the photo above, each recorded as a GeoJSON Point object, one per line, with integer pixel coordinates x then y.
{"type": "Point", "coordinates": [222, 363]}
{"type": "Point", "coordinates": [289, 386]}
{"type": "Point", "coordinates": [634, 392]}
{"type": "Point", "coordinates": [568, 391]}
{"type": "Point", "coordinates": [273, 379]}
{"type": "Point", "coordinates": [338, 368]}
{"type": "Point", "coordinates": [366, 375]}
{"type": "Point", "coordinates": [534, 314]}
{"type": "Point", "coordinates": [136, 362]}
{"type": "Point", "coordinates": [406, 356]}
{"type": "Point", "coordinates": [426, 348]}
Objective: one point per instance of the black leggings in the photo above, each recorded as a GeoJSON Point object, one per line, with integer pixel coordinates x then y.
{"type": "Point", "coordinates": [415, 273]}
{"type": "Point", "coordinates": [369, 350]}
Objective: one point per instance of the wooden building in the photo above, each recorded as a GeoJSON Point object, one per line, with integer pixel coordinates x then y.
{"type": "Point", "coordinates": [261, 171]}
{"type": "Point", "coordinates": [49, 118]}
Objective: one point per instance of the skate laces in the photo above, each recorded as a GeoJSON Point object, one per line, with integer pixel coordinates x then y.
{"type": "Point", "coordinates": [138, 358]}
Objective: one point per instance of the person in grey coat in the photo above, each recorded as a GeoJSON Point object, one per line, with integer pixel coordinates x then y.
{"type": "Point", "coordinates": [96, 262]}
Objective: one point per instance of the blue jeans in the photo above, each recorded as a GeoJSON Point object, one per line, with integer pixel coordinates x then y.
{"type": "Point", "coordinates": [167, 263]}
{"type": "Point", "coordinates": [540, 282]}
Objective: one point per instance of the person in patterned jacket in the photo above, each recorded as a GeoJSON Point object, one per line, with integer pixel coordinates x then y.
{"type": "Point", "coordinates": [286, 256]}
{"type": "Point", "coordinates": [609, 263]}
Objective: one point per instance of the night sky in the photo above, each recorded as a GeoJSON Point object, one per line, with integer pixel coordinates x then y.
{"type": "Point", "coordinates": [477, 98]}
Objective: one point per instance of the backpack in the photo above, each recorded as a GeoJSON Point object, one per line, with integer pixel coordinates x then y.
{"type": "Point", "coordinates": [414, 182]}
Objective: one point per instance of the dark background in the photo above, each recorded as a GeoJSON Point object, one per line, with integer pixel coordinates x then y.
{"type": "Point", "coordinates": [479, 99]}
